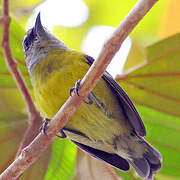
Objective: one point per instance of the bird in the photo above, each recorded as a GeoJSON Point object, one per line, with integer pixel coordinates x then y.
{"type": "Point", "coordinates": [107, 126]}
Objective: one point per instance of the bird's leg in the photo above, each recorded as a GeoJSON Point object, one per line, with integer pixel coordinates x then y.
{"type": "Point", "coordinates": [99, 104]}
{"type": "Point", "coordinates": [43, 128]}
{"type": "Point", "coordinates": [91, 95]}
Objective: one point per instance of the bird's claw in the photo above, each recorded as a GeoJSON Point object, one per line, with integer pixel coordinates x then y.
{"type": "Point", "coordinates": [43, 128]}
{"type": "Point", "coordinates": [62, 134]}
{"type": "Point", "coordinates": [75, 88]}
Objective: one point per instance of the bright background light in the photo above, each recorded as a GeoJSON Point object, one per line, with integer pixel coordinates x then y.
{"type": "Point", "coordinates": [94, 42]}
{"type": "Point", "coordinates": [69, 13]}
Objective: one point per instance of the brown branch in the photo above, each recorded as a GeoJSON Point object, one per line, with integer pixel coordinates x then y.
{"type": "Point", "coordinates": [34, 116]}
{"type": "Point", "coordinates": [40, 143]}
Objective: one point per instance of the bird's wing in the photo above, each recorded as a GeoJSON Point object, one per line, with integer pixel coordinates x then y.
{"type": "Point", "coordinates": [127, 105]}
{"type": "Point", "coordinates": [113, 159]}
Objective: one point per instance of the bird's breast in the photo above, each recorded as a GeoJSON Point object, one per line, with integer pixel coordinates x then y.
{"type": "Point", "coordinates": [98, 122]}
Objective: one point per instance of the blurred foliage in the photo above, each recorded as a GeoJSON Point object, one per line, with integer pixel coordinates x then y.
{"type": "Point", "coordinates": [151, 79]}
{"type": "Point", "coordinates": [136, 56]}
{"type": "Point", "coordinates": [158, 78]}
{"type": "Point", "coordinates": [171, 15]}
{"type": "Point", "coordinates": [62, 164]}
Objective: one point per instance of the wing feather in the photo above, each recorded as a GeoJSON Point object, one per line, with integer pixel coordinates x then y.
{"type": "Point", "coordinates": [113, 159]}
{"type": "Point", "coordinates": [127, 105]}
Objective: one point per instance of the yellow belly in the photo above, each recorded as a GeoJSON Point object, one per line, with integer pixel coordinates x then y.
{"type": "Point", "coordinates": [102, 126]}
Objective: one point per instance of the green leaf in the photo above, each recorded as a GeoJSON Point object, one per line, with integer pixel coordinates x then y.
{"type": "Point", "coordinates": [156, 83]}
{"type": "Point", "coordinates": [13, 125]}
{"type": "Point", "coordinates": [163, 133]}
{"type": "Point", "coordinates": [12, 129]}
{"type": "Point", "coordinates": [136, 56]}
{"type": "Point", "coordinates": [11, 99]}
{"type": "Point", "coordinates": [62, 163]}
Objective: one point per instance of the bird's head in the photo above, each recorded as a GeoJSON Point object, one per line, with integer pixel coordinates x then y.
{"type": "Point", "coordinates": [38, 42]}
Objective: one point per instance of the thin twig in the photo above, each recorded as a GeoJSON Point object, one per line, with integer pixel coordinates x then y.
{"type": "Point", "coordinates": [34, 116]}
{"type": "Point", "coordinates": [40, 143]}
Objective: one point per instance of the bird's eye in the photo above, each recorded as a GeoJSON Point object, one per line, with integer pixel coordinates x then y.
{"type": "Point", "coordinates": [35, 39]}
{"type": "Point", "coordinates": [26, 44]}
{"type": "Point", "coordinates": [29, 39]}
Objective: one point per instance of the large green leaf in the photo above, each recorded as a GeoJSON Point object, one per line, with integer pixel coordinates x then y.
{"type": "Point", "coordinates": [156, 83]}
{"type": "Point", "coordinates": [13, 124]}
{"type": "Point", "coordinates": [163, 133]}
{"type": "Point", "coordinates": [12, 128]}
{"type": "Point", "coordinates": [136, 55]}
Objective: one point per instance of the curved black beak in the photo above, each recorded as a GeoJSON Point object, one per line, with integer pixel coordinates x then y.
{"type": "Point", "coordinates": [38, 28]}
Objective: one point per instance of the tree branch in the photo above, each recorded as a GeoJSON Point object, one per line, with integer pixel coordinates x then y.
{"type": "Point", "coordinates": [40, 143]}
{"type": "Point", "coordinates": [34, 116]}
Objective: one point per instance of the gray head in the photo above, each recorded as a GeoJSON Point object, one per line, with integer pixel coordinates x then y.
{"type": "Point", "coordinates": [37, 42]}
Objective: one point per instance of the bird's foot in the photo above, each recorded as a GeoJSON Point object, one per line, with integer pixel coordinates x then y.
{"type": "Point", "coordinates": [62, 134]}
{"type": "Point", "coordinates": [76, 89]}
{"type": "Point", "coordinates": [43, 128]}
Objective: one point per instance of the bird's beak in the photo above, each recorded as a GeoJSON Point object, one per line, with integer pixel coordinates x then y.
{"type": "Point", "coordinates": [38, 28]}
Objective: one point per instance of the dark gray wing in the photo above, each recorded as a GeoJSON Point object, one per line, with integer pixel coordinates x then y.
{"type": "Point", "coordinates": [126, 103]}
{"type": "Point", "coordinates": [113, 159]}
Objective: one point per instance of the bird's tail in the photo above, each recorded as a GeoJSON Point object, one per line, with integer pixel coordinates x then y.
{"type": "Point", "coordinates": [145, 159]}
{"type": "Point", "coordinates": [149, 162]}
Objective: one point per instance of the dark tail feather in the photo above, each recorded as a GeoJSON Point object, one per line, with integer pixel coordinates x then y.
{"type": "Point", "coordinates": [141, 166]}
{"type": "Point", "coordinates": [149, 163]}
{"type": "Point", "coordinates": [112, 159]}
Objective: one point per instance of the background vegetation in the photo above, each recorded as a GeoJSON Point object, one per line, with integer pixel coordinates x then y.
{"type": "Point", "coordinates": [151, 78]}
